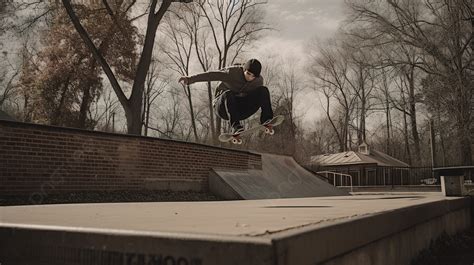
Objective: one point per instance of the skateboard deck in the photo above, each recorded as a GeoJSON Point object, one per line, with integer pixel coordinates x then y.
{"type": "Point", "coordinates": [236, 138]}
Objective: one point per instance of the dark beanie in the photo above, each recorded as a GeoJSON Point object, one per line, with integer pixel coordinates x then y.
{"type": "Point", "coordinates": [253, 66]}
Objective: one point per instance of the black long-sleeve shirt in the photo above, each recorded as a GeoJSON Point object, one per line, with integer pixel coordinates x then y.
{"type": "Point", "coordinates": [232, 78]}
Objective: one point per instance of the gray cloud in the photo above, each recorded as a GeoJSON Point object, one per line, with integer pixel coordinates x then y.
{"type": "Point", "coordinates": [300, 19]}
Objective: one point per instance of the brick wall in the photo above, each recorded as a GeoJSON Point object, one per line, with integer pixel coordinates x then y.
{"type": "Point", "coordinates": [39, 160]}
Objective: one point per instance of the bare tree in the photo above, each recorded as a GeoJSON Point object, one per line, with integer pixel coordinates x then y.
{"type": "Point", "coordinates": [171, 117]}
{"type": "Point", "coordinates": [408, 106]}
{"type": "Point", "coordinates": [286, 88]}
{"type": "Point", "coordinates": [7, 87]}
{"type": "Point", "coordinates": [361, 80]}
{"type": "Point", "coordinates": [330, 69]}
{"type": "Point", "coordinates": [179, 51]}
{"type": "Point", "coordinates": [105, 110]}
{"type": "Point", "coordinates": [205, 57]}
{"type": "Point", "coordinates": [234, 25]}
{"type": "Point", "coordinates": [4, 12]}
{"type": "Point", "coordinates": [401, 59]}
{"type": "Point", "coordinates": [384, 90]}
{"type": "Point", "coordinates": [443, 31]}
{"type": "Point", "coordinates": [154, 87]}
{"type": "Point", "coordinates": [8, 73]}
{"type": "Point", "coordinates": [133, 105]}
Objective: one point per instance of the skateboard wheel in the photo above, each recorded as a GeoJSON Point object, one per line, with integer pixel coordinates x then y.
{"type": "Point", "coordinates": [269, 131]}
{"type": "Point", "coordinates": [235, 141]}
{"type": "Point", "coordinates": [239, 141]}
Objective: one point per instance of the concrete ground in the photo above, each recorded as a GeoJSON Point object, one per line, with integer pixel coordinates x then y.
{"type": "Point", "coordinates": [252, 218]}
{"type": "Point", "coordinates": [361, 229]}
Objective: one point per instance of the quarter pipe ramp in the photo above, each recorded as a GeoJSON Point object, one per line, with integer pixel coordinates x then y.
{"type": "Point", "coordinates": [280, 177]}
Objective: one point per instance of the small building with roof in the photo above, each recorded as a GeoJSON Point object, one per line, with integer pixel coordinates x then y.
{"type": "Point", "coordinates": [368, 167]}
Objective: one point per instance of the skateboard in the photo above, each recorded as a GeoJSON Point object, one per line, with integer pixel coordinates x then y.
{"type": "Point", "coordinates": [268, 128]}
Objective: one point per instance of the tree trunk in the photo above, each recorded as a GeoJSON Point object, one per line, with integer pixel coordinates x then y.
{"type": "Point", "coordinates": [191, 110]}
{"type": "Point", "coordinates": [95, 52]}
{"type": "Point", "coordinates": [211, 112]}
{"type": "Point", "coordinates": [407, 140]}
{"type": "Point", "coordinates": [133, 113]}
{"type": "Point", "coordinates": [466, 151]}
{"type": "Point", "coordinates": [146, 113]}
{"type": "Point", "coordinates": [133, 105]}
{"type": "Point", "coordinates": [86, 98]}
{"type": "Point", "coordinates": [55, 120]}
{"type": "Point", "coordinates": [85, 104]}
{"type": "Point", "coordinates": [464, 132]}
{"type": "Point", "coordinates": [134, 117]}
{"type": "Point", "coordinates": [441, 136]}
{"type": "Point", "coordinates": [362, 133]}
{"type": "Point", "coordinates": [463, 113]}
{"type": "Point", "coordinates": [26, 110]}
{"type": "Point", "coordinates": [413, 119]}
{"type": "Point", "coordinates": [433, 144]}
{"type": "Point", "coordinates": [345, 129]}
{"type": "Point", "coordinates": [387, 116]}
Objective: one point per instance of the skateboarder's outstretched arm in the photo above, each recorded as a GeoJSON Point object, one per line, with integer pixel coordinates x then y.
{"type": "Point", "coordinates": [205, 77]}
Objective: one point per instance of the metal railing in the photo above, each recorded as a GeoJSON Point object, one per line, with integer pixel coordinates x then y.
{"type": "Point", "coordinates": [334, 175]}
{"type": "Point", "coordinates": [395, 177]}
{"type": "Point", "coordinates": [364, 175]}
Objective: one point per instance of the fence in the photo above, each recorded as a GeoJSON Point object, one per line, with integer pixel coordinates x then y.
{"type": "Point", "coordinates": [381, 176]}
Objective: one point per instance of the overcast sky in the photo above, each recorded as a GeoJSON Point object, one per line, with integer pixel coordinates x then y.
{"type": "Point", "coordinates": [299, 18]}
{"type": "Point", "coordinates": [296, 23]}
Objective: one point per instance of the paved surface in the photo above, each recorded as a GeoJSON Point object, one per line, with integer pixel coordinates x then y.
{"type": "Point", "coordinates": [226, 218]}
{"type": "Point", "coordinates": [280, 177]}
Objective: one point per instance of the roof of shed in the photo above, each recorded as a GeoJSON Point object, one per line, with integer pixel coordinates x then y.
{"type": "Point", "coordinates": [356, 158]}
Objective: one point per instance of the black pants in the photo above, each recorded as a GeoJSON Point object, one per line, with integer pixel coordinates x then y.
{"type": "Point", "coordinates": [230, 106]}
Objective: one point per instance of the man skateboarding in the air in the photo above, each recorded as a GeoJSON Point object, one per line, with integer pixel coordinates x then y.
{"type": "Point", "coordinates": [239, 95]}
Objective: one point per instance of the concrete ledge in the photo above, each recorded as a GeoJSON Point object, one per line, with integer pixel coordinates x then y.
{"type": "Point", "coordinates": [366, 230]}
{"type": "Point", "coordinates": [320, 245]}
{"type": "Point", "coordinates": [402, 247]}
{"type": "Point", "coordinates": [46, 245]}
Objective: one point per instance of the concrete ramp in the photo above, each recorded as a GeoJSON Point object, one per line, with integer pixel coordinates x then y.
{"type": "Point", "coordinates": [280, 177]}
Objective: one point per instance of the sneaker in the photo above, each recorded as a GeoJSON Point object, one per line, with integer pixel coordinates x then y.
{"type": "Point", "coordinates": [237, 129]}
{"type": "Point", "coordinates": [267, 122]}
